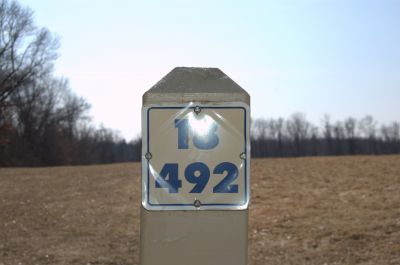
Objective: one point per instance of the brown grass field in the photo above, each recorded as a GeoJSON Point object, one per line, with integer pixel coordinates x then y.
{"type": "Point", "coordinates": [321, 211]}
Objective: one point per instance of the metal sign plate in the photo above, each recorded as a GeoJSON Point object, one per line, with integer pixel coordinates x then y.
{"type": "Point", "coordinates": [195, 157]}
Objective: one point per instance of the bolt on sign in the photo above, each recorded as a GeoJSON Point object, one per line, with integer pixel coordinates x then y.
{"type": "Point", "coordinates": [196, 156]}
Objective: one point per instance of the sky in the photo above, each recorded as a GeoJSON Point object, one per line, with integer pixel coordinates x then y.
{"type": "Point", "coordinates": [336, 57]}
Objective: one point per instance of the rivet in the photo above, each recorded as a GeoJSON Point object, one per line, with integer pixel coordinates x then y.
{"type": "Point", "coordinates": [243, 156]}
{"type": "Point", "coordinates": [197, 110]}
{"type": "Point", "coordinates": [197, 203]}
{"type": "Point", "coordinates": [148, 155]}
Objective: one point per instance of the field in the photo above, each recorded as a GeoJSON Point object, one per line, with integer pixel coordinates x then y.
{"type": "Point", "coordinates": [321, 211]}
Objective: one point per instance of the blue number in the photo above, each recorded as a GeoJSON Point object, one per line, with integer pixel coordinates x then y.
{"type": "Point", "coordinates": [169, 178]}
{"type": "Point", "coordinates": [183, 133]}
{"type": "Point", "coordinates": [200, 179]}
{"type": "Point", "coordinates": [225, 185]}
{"type": "Point", "coordinates": [198, 173]}
{"type": "Point", "coordinates": [207, 141]}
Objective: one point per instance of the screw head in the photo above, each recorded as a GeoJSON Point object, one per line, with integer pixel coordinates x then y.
{"type": "Point", "coordinates": [148, 155]}
{"type": "Point", "coordinates": [197, 203]}
{"type": "Point", "coordinates": [197, 109]}
{"type": "Point", "coordinates": [243, 156]}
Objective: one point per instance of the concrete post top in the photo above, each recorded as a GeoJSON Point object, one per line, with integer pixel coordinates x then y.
{"type": "Point", "coordinates": [189, 84]}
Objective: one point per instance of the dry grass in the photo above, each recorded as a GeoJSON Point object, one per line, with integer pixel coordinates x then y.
{"type": "Point", "coordinates": [326, 211]}
{"type": "Point", "coordinates": [304, 211]}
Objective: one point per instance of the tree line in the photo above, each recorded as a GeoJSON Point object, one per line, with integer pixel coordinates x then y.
{"type": "Point", "coordinates": [298, 137]}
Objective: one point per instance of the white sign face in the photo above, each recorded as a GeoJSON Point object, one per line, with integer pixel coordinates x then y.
{"type": "Point", "coordinates": [195, 157]}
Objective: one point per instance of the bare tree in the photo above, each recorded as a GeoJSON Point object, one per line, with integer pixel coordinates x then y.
{"type": "Point", "coordinates": [46, 114]}
{"type": "Point", "coordinates": [41, 121]}
{"type": "Point", "coordinates": [327, 133]}
{"type": "Point", "coordinates": [339, 135]}
{"type": "Point", "coordinates": [298, 126]}
{"type": "Point", "coordinates": [298, 129]}
{"type": "Point", "coordinates": [280, 134]}
{"type": "Point", "coordinates": [395, 131]}
{"type": "Point", "coordinates": [367, 127]}
{"type": "Point", "coordinates": [314, 143]}
{"type": "Point", "coordinates": [26, 51]}
{"type": "Point", "coordinates": [391, 137]}
{"type": "Point", "coordinates": [350, 132]}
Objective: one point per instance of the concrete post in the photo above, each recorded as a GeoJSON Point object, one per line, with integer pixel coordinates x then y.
{"type": "Point", "coordinates": [192, 235]}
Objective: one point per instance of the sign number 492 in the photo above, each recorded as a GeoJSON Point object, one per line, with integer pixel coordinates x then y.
{"type": "Point", "coordinates": [197, 173]}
